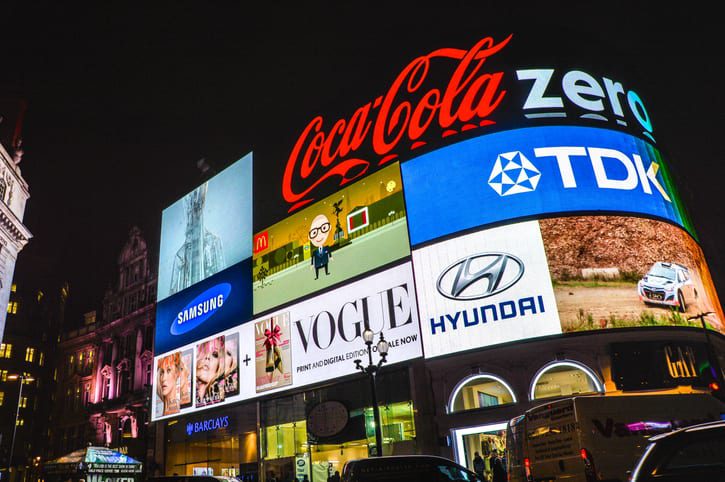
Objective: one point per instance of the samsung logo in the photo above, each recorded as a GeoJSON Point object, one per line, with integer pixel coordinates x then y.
{"type": "Point", "coordinates": [201, 308]}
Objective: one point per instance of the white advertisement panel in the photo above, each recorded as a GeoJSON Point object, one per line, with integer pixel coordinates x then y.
{"type": "Point", "coordinates": [484, 288]}
{"type": "Point", "coordinates": [313, 341]}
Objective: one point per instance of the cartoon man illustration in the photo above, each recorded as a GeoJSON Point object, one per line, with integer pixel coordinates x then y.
{"type": "Point", "coordinates": [319, 232]}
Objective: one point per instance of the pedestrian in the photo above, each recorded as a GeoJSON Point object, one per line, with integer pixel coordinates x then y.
{"type": "Point", "coordinates": [498, 468]}
{"type": "Point", "coordinates": [479, 465]}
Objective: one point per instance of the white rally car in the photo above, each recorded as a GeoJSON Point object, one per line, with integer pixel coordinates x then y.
{"type": "Point", "coordinates": [667, 284]}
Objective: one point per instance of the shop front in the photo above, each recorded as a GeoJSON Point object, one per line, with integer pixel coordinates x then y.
{"type": "Point", "coordinates": [476, 393]}
{"type": "Point", "coordinates": [214, 442]}
{"type": "Point", "coordinates": [313, 433]}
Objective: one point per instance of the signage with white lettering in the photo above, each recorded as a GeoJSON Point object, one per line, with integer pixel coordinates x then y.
{"type": "Point", "coordinates": [531, 172]}
{"type": "Point", "coordinates": [485, 288]}
{"type": "Point", "coordinates": [310, 342]}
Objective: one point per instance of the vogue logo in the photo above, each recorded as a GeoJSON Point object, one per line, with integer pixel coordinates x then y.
{"type": "Point", "coordinates": [480, 276]}
{"type": "Point", "coordinates": [402, 115]}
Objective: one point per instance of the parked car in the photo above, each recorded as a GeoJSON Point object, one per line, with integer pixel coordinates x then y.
{"type": "Point", "coordinates": [667, 284]}
{"type": "Point", "coordinates": [692, 454]}
{"type": "Point", "coordinates": [406, 468]}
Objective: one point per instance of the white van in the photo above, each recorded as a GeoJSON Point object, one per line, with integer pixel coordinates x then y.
{"type": "Point", "coordinates": [596, 438]}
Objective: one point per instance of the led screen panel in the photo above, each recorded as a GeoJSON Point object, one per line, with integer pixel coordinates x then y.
{"type": "Point", "coordinates": [528, 173]}
{"type": "Point", "coordinates": [557, 275]}
{"type": "Point", "coordinates": [484, 288]}
{"type": "Point", "coordinates": [309, 342]}
{"type": "Point", "coordinates": [207, 230]}
{"type": "Point", "coordinates": [221, 301]}
{"type": "Point", "coordinates": [359, 228]}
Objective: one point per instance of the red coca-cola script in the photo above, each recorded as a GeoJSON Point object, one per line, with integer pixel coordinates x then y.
{"type": "Point", "coordinates": [393, 121]}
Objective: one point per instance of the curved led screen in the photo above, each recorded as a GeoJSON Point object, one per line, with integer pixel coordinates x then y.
{"type": "Point", "coordinates": [532, 172]}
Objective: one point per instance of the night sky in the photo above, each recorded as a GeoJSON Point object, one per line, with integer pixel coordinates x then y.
{"type": "Point", "coordinates": [123, 101]}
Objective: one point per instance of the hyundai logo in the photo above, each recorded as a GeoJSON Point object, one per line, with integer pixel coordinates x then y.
{"type": "Point", "coordinates": [480, 276]}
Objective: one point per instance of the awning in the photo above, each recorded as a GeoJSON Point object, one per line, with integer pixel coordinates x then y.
{"type": "Point", "coordinates": [94, 460]}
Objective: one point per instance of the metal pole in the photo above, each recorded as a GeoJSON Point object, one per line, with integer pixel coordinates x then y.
{"type": "Point", "coordinates": [376, 415]}
{"type": "Point", "coordinates": [15, 428]}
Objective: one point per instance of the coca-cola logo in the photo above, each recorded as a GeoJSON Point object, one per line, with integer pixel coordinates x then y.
{"type": "Point", "coordinates": [395, 121]}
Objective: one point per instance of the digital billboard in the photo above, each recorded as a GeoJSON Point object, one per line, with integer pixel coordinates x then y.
{"type": "Point", "coordinates": [561, 274]}
{"type": "Point", "coordinates": [536, 172]}
{"type": "Point", "coordinates": [204, 280]}
{"type": "Point", "coordinates": [357, 229]}
{"type": "Point", "coordinates": [207, 230]}
{"type": "Point", "coordinates": [484, 288]}
{"type": "Point", "coordinates": [308, 342]}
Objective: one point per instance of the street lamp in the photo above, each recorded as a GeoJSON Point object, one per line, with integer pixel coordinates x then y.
{"type": "Point", "coordinates": [371, 370]}
{"type": "Point", "coordinates": [23, 379]}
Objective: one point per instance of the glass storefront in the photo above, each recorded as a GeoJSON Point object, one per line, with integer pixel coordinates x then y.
{"type": "Point", "coordinates": [216, 442]}
{"type": "Point", "coordinates": [290, 449]}
{"type": "Point", "coordinates": [487, 441]}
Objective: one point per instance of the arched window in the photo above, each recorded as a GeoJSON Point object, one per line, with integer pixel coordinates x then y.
{"type": "Point", "coordinates": [480, 391]}
{"type": "Point", "coordinates": [564, 378]}
{"type": "Point", "coordinates": [3, 188]}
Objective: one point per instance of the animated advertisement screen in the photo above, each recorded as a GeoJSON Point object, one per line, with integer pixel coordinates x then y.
{"type": "Point", "coordinates": [207, 230]}
{"type": "Point", "coordinates": [359, 228]}
{"type": "Point", "coordinates": [484, 288]}
{"type": "Point", "coordinates": [313, 341]}
{"type": "Point", "coordinates": [558, 275]}
{"type": "Point", "coordinates": [536, 172]}
{"type": "Point", "coordinates": [204, 283]}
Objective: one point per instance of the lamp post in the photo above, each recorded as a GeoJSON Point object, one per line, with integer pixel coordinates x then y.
{"type": "Point", "coordinates": [371, 370]}
{"type": "Point", "coordinates": [22, 379]}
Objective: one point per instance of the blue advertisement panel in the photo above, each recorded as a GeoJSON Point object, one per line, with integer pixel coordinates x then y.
{"type": "Point", "coordinates": [207, 230]}
{"type": "Point", "coordinates": [219, 302]}
{"type": "Point", "coordinates": [532, 172]}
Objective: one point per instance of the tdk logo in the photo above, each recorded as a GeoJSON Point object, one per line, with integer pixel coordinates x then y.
{"type": "Point", "coordinates": [480, 276]}
{"type": "Point", "coordinates": [513, 173]}
{"type": "Point", "coordinates": [201, 309]}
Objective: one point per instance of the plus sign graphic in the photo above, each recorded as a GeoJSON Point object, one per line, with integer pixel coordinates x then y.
{"type": "Point", "coordinates": [246, 359]}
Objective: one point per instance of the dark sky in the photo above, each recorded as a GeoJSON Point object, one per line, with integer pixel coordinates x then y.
{"type": "Point", "coordinates": [122, 101]}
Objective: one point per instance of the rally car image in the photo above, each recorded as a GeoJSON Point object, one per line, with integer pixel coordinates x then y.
{"type": "Point", "coordinates": [667, 284]}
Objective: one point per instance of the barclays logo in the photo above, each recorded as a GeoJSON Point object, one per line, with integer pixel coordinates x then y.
{"type": "Point", "coordinates": [201, 309]}
{"type": "Point", "coordinates": [215, 423]}
{"type": "Point", "coordinates": [480, 276]}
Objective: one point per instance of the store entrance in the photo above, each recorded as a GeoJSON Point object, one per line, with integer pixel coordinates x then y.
{"type": "Point", "coordinates": [488, 440]}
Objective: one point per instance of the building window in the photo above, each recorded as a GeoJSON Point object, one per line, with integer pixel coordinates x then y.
{"type": "Point", "coordinates": [20, 422]}
{"type": "Point", "coordinates": [6, 350]}
{"type": "Point", "coordinates": [564, 378]}
{"type": "Point", "coordinates": [106, 388]}
{"type": "Point", "coordinates": [30, 354]}
{"type": "Point", "coordinates": [3, 375]}
{"type": "Point", "coordinates": [41, 358]}
{"type": "Point", "coordinates": [23, 402]}
{"type": "Point", "coordinates": [2, 398]}
{"type": "Point", "coordinates": [480, 391]}
{"type": "Point", "coordinates": [149, 373]}
{"type": "Point", "coordinates": [87, 394]}
{"type": "Point", "coordinates": [13, 307]}
{"type": "Point", "coordinates": [13, 288]}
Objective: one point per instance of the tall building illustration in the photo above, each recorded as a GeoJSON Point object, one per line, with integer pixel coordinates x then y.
{"type": "Point", "coordinates": [202, 253]}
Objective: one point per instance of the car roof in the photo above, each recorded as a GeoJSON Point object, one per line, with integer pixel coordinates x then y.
{"type": "Point", "coordinates": [716, 425]}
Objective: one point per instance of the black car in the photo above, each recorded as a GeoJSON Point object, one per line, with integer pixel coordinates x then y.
{"type": "Point", "coordinates": [406, 468]}
{"type": "Point", "coordinates": [692, 454]}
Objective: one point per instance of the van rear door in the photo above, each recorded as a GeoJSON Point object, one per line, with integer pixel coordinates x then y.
{"type": "Point", "coordinates": [553, 442]}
